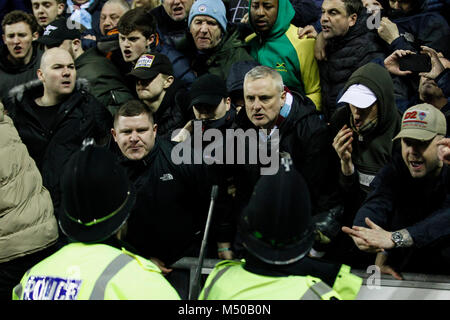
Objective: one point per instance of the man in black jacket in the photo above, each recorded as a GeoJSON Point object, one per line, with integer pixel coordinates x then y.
{"type": "Point", "coordinates": [349, 45]}
{"type": "Point", "coordinates": [405, 219]}
{"type": "Point", "coordinates": [172, 199]}
{"type": "Point", "coordinates": [19, 57]}
{"type": "Point", "coordinates": [302, 134]}
{"type": "Point", "coordinates": [161, 92]}
{"type": "Point", "coordinates": [171, 17]}
{"type": "Point", "coordinates": [106, 82]}
{"type": "Point", "coordinates": [54, 115]}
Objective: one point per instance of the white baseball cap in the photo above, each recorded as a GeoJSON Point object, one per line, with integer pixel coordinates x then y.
{"type": "Point", "coordinates": [359, 95]}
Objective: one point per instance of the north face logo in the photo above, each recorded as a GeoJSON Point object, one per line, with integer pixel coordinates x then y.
{"type": "Point", "coordinates": [166, 177]}
{"type": "Point", "coordinates": [49, 30]}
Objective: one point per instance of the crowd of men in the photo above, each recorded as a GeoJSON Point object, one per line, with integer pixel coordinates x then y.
{"type": "Point", "coordinates": [118, 117]}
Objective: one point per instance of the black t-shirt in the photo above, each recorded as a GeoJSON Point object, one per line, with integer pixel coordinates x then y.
{"type": "Point", "coordinates": [46, 115]}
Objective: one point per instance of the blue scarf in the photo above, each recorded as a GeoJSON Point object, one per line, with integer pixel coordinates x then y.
{"type": "Point", "coordinates": [79, 13]}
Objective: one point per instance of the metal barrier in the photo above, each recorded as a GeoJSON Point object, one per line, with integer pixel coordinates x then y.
{"type": "Point", "coordinates": [413, 286]}
{"type": "Point", "coordinates": [190, 263]}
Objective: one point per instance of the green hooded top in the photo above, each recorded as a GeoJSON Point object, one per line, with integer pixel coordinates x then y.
{"type": "Point", "coordinates": [292, 57]}
{"type": "Point", "coordinates": [372, 147]}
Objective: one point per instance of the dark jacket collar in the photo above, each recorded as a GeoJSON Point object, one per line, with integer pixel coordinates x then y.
{"type": "Point", "coordinates": [6, 65]}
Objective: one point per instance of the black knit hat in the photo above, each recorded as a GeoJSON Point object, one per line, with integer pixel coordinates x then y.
{"type": "Point", "coordinates": [97, 196]}
{"type": "Point", "coordinates": [208, 89]}
{"type": "Point", "coordinates": [276, 225]}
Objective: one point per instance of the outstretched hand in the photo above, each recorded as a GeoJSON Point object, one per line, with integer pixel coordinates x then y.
{"type": "Point", "coordinates": [372, 239]}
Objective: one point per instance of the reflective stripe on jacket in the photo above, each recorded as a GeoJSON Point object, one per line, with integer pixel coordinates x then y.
{"type": "Point", "coordinates": [230, 281]}
{"type": "Point", "coordinates": [94, 272]}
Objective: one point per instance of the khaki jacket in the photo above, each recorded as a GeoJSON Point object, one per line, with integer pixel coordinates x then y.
{"type": "Point", "coordinates": [27, 222]}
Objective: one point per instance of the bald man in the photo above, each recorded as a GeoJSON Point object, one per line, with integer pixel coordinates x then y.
{"type": "Point", "coordinates": [54, 114]}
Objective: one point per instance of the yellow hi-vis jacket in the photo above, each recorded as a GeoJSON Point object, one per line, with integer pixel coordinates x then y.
{"type": "Point", "coordinates": [94, 272]}
{"type": "Point", "coordinates": [230, 281]}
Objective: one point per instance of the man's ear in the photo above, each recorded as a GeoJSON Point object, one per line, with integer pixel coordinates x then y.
{"type": "Point", "coordinates": [60, 9]}
{"type": "Point", "coordinates": [76, 45]}
{"type": "Point", "coordinates": [114, 134]}
{"type": "Point", "coordinates": [40, 75]}
{"type": "Point", "coordinates": [150, 40]}
{"type": "Point", "coordinates": [283, 97]}
{"type": "Point", "coordinates": [168, 82]}
{"type": "Point", "coordinates": [228, 103]}
{"type": "Point", "coordinates": [352, 19]}
{"type": "Point", "coordinates": [35, 36]}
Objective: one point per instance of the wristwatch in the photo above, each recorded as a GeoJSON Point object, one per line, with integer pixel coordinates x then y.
{"type": "Point", "coordinates": [397, 238]}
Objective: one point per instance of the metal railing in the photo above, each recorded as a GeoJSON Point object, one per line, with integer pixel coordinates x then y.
{"type": "Point", "coordinates": [410, 280]}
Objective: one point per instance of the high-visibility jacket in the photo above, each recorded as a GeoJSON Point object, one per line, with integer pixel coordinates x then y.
{"type": "Point", "coordinates": [94, 272]}
{"type": "Point", "coordinates": [230, 281]}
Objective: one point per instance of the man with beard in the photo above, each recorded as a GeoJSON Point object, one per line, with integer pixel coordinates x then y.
{"type": "Point", "coordinates": [404, 219]}
{"type": "Point", "coordinates": [19, 57]}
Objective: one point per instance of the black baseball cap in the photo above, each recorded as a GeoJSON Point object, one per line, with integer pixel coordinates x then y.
{"type": "Point", "coordinates": [58, 31]}
{"type": "Point", "coordinates": [208, 89]}
{"type": "Point", "coordinates": [149, 65]}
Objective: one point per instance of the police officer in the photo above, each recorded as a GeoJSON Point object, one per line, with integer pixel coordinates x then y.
{"type": "Point", "coordinates": [97, 199]}
{"type": "Point", "coordinates": [277, 233]}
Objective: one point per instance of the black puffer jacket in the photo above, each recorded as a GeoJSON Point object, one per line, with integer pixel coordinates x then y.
{"type": "Point", "coordinates": [13, 75]}
{"type": "Point", "coordinates": [344, 55]}
{"type": "Point", "coordinates": [81, 116]}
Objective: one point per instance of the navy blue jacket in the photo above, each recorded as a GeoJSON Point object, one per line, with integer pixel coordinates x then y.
{"type": "Point", "coordinates": [398, 201]}
{"type": "Point", "coordinates": [421, 27]}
